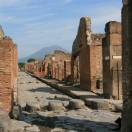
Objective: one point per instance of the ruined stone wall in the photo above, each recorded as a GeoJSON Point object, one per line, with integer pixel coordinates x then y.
{"type": "Point", "coordinates": [75, 71]}
{"type": "Point", "coordinates": [112, 61]}
{"type": "Point", "coordinates": [36, 67]}
{"type": "Point", "coordinates": [7, 73]}
{"type": "Point", "coordinates": [127, 66]}
{"type": "Point", "coordinates": [88, 47]}
{"type": "Point", "coordinates": [99, 62]}
{"type": "Point", "coordinates": [39, 69]}
{"type": "Point", "coordinates": [97, 40]}
{"type": "Point", "coordinates": [54, 65]}
{"type": "Point", "coordinates": [30, 67]}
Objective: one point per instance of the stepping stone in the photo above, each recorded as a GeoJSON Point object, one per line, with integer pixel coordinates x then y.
{"type": "Point", "coordinates": [98, 104]}
{"type": "Point", "coordinates": [76, 104]}
{"type": "Point", "coordinates": [32, 106]}
{"type": "Point", "coordinates": [55, 106]}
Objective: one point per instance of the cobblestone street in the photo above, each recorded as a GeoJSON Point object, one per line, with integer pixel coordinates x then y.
{"type": "Point", "coordinates": [47, 110]}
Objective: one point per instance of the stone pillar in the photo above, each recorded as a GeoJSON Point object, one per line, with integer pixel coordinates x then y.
{"type": "Point", "coordinates": [87, 60]}
{"type": "Point", "coordinates": [15, 71]}
{"type": "Point", "coordinates": [6, 74]}
{"type": "Point", "coordinates": [112, 61]}
{"type": "Point", "coordinates": [86, 50]}
{"type": "Point", "coordinates": [127, 66]}
{"type": "Point", "coordinates": [67, 69]}
{"type": "Point", "coordinates": [72, 70]}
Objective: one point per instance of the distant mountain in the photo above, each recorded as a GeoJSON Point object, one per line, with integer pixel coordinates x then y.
{"type": "Point", "coordinates": [42, 52]}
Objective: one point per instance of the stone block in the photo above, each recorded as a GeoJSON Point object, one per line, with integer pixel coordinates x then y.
{"type": "Point", "coordinates": [76, 104]}
{"type": "Point", "coordinates": [55, 106]}
{"type": "Point", "coordinates": [98, 104]}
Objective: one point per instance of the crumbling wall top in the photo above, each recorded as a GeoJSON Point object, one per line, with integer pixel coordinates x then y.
{"type": "Point", "coordinates": [126, 2]}
{"type": "Point", "coordinates": [83, 37]}
{"type": "Point", "coordinates": [113, 27]}
{"type": "Point", "coordinates": [97, 38]}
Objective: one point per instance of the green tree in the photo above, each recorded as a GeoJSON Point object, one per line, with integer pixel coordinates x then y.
{"type": "Point", "coordinates": [31, 60]}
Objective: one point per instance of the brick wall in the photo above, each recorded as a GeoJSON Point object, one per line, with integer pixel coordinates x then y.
{"type": "Point", "coordinates": [8, 73]}
{"type": "Point", "coordinates": [54, 65]}
{"type": "Point", "coordinates": [87, 59]}
{"type": "Point", "coordinates": [89, 49]}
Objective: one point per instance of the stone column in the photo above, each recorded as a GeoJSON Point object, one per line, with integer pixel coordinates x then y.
{"type": "Point", "coordinates": [127, 65]}
{"type": "Point", "coordinates": [15, 70]}
{"type": "Point", "coordinates": [72, 69]}
{"type": "Point", "coordinates": [87, 60]}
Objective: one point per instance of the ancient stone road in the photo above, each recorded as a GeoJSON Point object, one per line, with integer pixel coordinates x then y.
{"type": "Point", "coordinates": [37, 96]}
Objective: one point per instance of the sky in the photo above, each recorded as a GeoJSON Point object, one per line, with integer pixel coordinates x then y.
{"type": "Point", "coordinates": [34, 24]}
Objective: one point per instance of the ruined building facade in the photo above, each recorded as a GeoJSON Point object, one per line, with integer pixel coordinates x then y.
{"type": "Point", "coordinates": [88, 47]}
{"type": "Point", "coordinates": [56, 65]}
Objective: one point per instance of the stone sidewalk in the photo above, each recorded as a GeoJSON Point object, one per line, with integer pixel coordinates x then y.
{"type": "Point", "coordinates": [92, 100]}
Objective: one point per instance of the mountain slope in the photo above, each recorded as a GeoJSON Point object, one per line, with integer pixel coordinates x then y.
{"type": "Point", "coordinates": [42, 52]}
